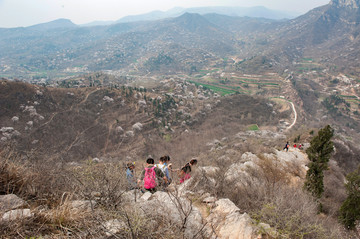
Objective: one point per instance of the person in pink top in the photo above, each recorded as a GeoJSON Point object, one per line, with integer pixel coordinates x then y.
{"type": "Point", "coordinates": [185, 171]}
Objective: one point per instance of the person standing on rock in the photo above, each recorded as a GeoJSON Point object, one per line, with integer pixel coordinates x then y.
{"type": "Point", "coordinates": [287, 145]}
{"type": "Point", "coordinates": [151, 176]}
{"type": "Point", "coordinates": [185, 171]}
{"type": "Point", "coordinates": [164, 168]}
{"type": "Point", "coordinates": [130, 176]}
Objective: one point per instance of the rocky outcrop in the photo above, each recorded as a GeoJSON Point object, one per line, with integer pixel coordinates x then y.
{"type": "Point", "coordinates": [207, 217]}
{"type": "Point", "coordinates": [346, 3]}
{"type": "Point", "coordinates": [292, 164]}
{"type": "Point", "coordinates": [12, 208]}
{"type": "Point", "coordinates": [226, 221]}
{"type": "Point", "coordinates": [178, 210]}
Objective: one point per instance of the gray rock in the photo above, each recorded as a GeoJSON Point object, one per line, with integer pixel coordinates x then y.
{"type": "Point", "coordinates": [130, 134]}
{"type": "Point", "coordinates": [146, 196]}
{"type": "Point", "coordinates": [7, 129]}
{"type": "Point", "coordinates": [15, 119]}
{"type": "Point", "coordinates": [142, 103]}
{"type": "Point", "coordinates": [131, 195]}
{"type": "Point", "coordinates": [97, 160]}
{"type": "Point", "coordinates": [108, 99]}
{"type": "Point", "coordinates": [138, 126]}
{"type": "Point", "coordinates": [16, 214]}
{"type": "Point", "coordinates": [227, 221]}
{"type": "Point", "coordinates": [176, 209]}
{"type": "Point", "coordinates": [225, 206]}
{"type": "Point", "coordinates": [10, 201]}
{"type": "Point", "coordinates": [83, 205]}
{"type": "Point", "coordinates": [119, 130]}
{"type": "Point", "coordinates": [114, 226]}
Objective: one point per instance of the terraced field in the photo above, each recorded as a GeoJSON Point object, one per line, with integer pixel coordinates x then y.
{"type": "Point", "coordinates": [224, 84]}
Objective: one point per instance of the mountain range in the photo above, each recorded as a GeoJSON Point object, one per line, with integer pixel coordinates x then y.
{"type": "Point", "coordinates": [257, 12]}
{"type": "Point", "coordinates": [329, 34]}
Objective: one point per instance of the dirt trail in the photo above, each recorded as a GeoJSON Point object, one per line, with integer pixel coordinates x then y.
{"type": "Point", "coordinates": [80, 134]}
{"type": "Point", "coordinates": [71, 108]}
{"type": "Point", "coordinates": [110, 126]}
{"type": "Point", "coordinates": [295, 116]}
{"type": "Point", "coordinates": [84, 100]}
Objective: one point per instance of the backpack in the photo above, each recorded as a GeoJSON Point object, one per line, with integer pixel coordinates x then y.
{"type": "Point", "coordinates": [150, 178]}
{"type": "Point", "coordinates": [162, 167]}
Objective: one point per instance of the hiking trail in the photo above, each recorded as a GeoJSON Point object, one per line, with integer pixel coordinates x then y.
{"type": "Point", "coordinates": [295, 116]}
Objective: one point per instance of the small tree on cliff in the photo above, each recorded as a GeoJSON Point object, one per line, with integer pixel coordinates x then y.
{"type": "Point", "coordinates": [319, 154]}
{"type": "Point", "coordinates": [350, 209]}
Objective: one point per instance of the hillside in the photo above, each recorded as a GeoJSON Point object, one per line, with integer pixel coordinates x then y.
{"type": "Point", "coordinates": [77, 124]}
{"type": "Point", "coordinates": [328, 34]}
{"type": "Point", "coordinates": [242, 188]}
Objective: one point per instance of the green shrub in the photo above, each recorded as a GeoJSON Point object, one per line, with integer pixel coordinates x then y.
{"type": "Point", "coordinates": [350, 209]}
{"type": "Point", "coordinates": [319, 154]}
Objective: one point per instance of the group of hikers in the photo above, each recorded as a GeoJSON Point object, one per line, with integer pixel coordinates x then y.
{"type": "Point", "coordinates": [287, 146]}
{"type": "Point", "coordinates": [157, 176]}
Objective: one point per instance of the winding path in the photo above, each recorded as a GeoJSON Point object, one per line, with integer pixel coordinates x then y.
{"type": "Point", "coordinates": [295, 114]}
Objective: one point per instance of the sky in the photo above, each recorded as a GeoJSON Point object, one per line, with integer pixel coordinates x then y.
{"type": "Point", "coordinates": [16, 13]}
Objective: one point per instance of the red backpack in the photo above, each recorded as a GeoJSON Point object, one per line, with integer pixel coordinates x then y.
{"type": "Point", "coordinates": [150, 178]}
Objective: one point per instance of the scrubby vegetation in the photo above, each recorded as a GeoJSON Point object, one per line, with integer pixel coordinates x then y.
{"type": "Point", "coordinates": [88, 199]}
{"type": "Point", "coordinates": [350, 209]}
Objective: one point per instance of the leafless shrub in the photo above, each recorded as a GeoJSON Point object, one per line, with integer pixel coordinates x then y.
{"type": "Point", "coordinates": [104, 181]}
{"type": "Point", "coordinates": [334, 189]}
{"type": "Point", "coordinates": [36, 180]}
{"type": "Point", "coordinates": [293, 213]}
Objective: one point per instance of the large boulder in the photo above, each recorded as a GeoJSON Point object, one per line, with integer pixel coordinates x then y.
{"type": "Point", "coordinates": [178, 210]}
{"type": "Point", "coordinates": [226, 221]}
{"type": "Point", "coordinates": [292, 164]}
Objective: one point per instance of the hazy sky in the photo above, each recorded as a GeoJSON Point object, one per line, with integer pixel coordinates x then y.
{"type": "Point", "coordinates": [14, 13]}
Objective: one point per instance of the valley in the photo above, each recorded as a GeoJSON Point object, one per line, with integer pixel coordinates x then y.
{"type": "Point", "coordinates": [79, 103]}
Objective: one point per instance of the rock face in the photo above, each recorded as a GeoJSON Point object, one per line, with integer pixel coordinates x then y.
{"type": "Point", "coordinates": [294, 160]}
{"type": "Point", "coordinates": [177, 210]}
{"type": "Point", "coordinates": [226, 221]}
{"type": "Point", "coordinates": [10, 202]}
{"type": "Point", "coordinates": [346, 3]}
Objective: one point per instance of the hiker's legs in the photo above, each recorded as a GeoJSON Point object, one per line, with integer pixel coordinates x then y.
{"type": "Point", "coordinates": [151, 190]}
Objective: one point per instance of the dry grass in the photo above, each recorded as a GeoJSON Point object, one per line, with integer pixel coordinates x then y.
{"type": "Point", "coordinates": [15, 174]}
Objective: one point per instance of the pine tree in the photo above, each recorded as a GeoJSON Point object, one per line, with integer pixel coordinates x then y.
{"type": "Point", "coordinates": [319, 154]}
{"type": "Point", "coordinates": [350, 209]}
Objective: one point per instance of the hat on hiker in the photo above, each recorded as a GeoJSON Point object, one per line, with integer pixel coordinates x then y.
{"type": "Point", "coordinates": [130, 164]}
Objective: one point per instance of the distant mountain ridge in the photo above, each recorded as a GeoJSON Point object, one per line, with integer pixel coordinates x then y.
{"type": "Point", "coordinates": [330, 33]}
{"type": "Point", "coordinates": [59, 23]}
{"type": "Point", "coordinates": [259, 12]}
